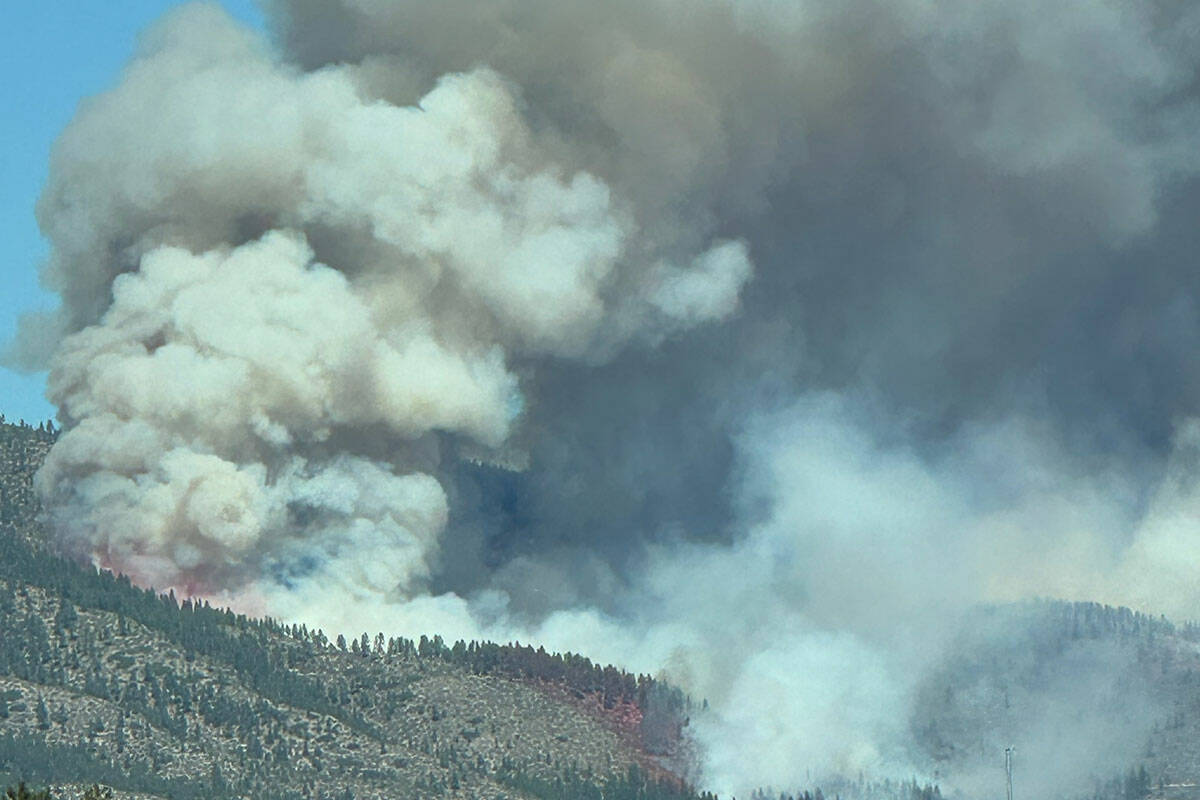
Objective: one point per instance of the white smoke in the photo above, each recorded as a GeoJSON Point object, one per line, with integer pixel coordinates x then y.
{"type": "Point", "coordinates": [206, 404]}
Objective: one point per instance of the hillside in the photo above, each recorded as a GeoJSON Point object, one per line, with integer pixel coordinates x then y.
{"type": "Point", "coordinates": [1097, 700]}
{"type": "Point", "coordinates": [103, 681]}
{"type": "Point", "coordinates": [22, 448]}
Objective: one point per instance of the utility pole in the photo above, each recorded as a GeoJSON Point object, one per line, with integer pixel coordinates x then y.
{"type": "Point", "coordinates": [1008, 754]}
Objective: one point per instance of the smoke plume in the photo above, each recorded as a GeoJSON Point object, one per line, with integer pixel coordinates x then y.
{"type": "Point", "coordinates": [746, 342]}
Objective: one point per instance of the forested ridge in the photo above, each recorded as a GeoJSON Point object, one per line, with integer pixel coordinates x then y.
{"type": "Point", "coordinates": [103, 681]}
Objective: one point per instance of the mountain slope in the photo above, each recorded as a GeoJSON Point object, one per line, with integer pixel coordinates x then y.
{"type": "Point", "coordinates": [103, 681]}
{"type": "Point", "coordinates": [1086, 693]}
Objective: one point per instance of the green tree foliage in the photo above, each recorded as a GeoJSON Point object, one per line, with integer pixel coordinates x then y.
{"type": "Point", "coordinates": [33, 759]}
{"type": "Point", "coordinates": [1137, 783]}
{"type": "Point", "coordinates": [23, 792]}
{"type": "Point", "coordinates": [571, 784]}
{"type": "Point", "coordinates": [1133, 784]}
{"type": "Point", "coordinates": [22, 448]}
{"type": "Point", "coordinates": [43, 714]}
{"type": "Point", "coordinates": [859, 789]}
{"type": "Point", "coordinates": [66, 618]}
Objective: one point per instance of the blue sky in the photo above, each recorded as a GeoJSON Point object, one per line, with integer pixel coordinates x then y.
{"type": "Point", "coordinates": [54, 54]}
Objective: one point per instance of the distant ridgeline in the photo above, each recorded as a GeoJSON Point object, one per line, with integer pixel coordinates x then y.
{"type": "Point", "coordinates": [1122, 687]}
{"type": "Point", "coordinates": [102, 681]}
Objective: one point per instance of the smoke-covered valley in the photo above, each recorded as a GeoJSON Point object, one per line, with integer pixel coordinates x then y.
{"type": "Point", "coordinates": [752, 344]}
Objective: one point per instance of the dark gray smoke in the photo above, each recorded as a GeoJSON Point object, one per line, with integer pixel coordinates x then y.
{"type": "Point", "coordinates": [744, 341]}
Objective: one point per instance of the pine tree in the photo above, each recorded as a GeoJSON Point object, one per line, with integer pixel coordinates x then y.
{"type": "Point", "coordinates": [43, 714]}
{"type": "Point", "coordinates": [23, 792]}
{"type": "Point", "coordinates": [67, 617]}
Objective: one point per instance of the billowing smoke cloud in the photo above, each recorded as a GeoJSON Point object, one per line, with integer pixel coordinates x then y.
{"type": "Point", "coordinates": [751, 342]}
{"type": "Point", "coordinates": [211, 403]}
